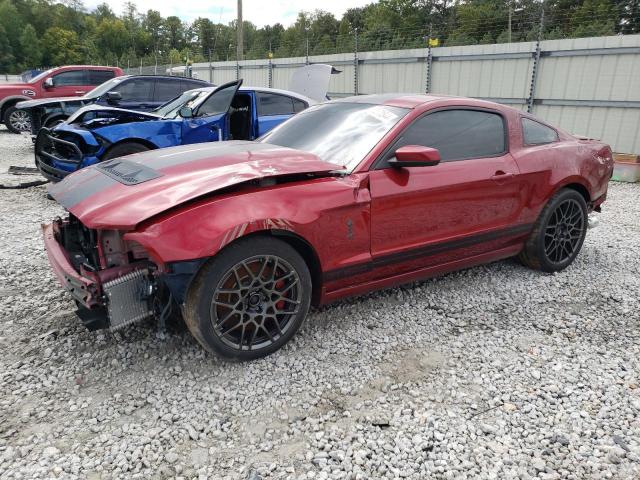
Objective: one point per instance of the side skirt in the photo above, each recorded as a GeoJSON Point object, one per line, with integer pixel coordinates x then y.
{"type": "Point", "coordinates": [420, 274]}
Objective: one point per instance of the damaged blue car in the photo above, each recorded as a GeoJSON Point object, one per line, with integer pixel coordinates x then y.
{"type": "Point", "coordinates": [229, 112]}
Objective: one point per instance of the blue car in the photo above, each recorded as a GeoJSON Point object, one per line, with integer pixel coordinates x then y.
{"type": "Point", "coordinates": [136, 92]}
{"type": "Point", "coordinates": [229, 112]}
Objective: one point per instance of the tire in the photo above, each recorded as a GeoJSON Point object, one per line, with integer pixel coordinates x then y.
{"type": "Point", "coordinates": [558, 234]}
{"type": "Point", "coordinates": [216, 302]}
{"type": "Point", "coordinates": [17, 120]}
{"type": "Point", "coordinates": [122, 149]}
{"type": "Point", "coordinates": [54, 122]}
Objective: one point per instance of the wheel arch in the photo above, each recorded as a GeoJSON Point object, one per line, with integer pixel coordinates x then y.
{"type": "Point", "coordinates": [301, 245]}
{"type": "Point", "coordinates": [10, 102]}
{"type": "Point", "coordinates": [579, 185]}
{"type": "Point", "coordinates": [296, 241]}
{"type": "Point", "coordinates": [54, 116]}
{"type": "Point", "coordinates": [142, 141]}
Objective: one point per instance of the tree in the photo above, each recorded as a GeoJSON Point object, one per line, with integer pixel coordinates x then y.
{"type": "Point", "coordinates": [112, 36]}
{"type": "Point", "coordinates": [61, 47]}
{"type": "Point", "coordinates": [30, 49]}
{"type": "Point", "coordinates": [174, 32]}
{"type": "Point", "coordinates": [6, 53]}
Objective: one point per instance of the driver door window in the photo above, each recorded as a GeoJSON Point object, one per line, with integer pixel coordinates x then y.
{"type": "Point", "coordinates": [71, 83]}
{"type": "Point", "coordinates": [457, 134]}
{"type": "Point", "coordinates": [218, 102]}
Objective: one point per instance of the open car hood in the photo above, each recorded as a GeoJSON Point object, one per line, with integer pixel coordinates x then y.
{"type": "Point", "coordinates": [312, 81]}
{"type": "Point", "coordinates": [121, 193]}
{"type": "Point", "coordinates": [95, 116]}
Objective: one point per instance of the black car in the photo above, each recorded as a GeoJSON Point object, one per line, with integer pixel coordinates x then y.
{"type": "Point", "coordinates": [133, 92]}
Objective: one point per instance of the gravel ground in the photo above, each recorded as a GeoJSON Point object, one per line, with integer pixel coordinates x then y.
{"type": "Point", "coordinates": [493, 372]}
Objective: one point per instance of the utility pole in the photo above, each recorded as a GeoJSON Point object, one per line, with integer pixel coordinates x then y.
{"type": "Point", "coordinates": [509, 6]}
{"type": "Point", "coordinates": [356, 79]}
{"type": "Point", "coordinates": [239, 29]}
{"type": "Point", "coordinates": [306, 34]}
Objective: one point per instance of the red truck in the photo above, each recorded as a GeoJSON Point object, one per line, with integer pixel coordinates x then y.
{"type": "Point", "coordinates": [68, 81]}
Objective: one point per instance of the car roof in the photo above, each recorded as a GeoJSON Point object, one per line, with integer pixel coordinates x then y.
{"type": "Point", "coordinates": [289, 93]}
{"type": "Point", "coordinates": [172, 77]}
{"type": "Point", "coordinates": [412, 100]}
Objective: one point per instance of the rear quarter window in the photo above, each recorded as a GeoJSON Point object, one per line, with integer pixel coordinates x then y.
{"type": "Point", "coordinates": [166, 89]}
{"type": "Point", "coordinates": [274, 104]}
{"type": "Point", "coordinates": [535, 133]}
{"type": "Point", "coordinates": [98, 77]}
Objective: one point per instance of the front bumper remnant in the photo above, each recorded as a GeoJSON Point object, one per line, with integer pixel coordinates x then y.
{"type": "Point", "coordinates": [113, 303]}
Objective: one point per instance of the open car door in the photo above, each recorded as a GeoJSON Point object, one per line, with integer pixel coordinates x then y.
{"type": "Point", "coordinates": [312, 81]}
{"type": "Point", "coordinates": [209, 121]}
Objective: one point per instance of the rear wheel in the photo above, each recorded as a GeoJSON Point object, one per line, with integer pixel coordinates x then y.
{"type": "Point", "coordinates": [17, 120]}
{"type": "Point", "coordinates": [123, 149]}
{"type": "Point", "coordinates": [250, 299]}
{"type": "Point", "coordinates": [558, 234]}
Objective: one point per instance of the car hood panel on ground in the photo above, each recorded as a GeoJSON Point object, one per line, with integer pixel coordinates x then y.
{"type": "Point", "coordinates": [169, 177]}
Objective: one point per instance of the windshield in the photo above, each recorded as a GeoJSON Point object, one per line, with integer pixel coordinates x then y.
{"type": "Point", "coordinates": [41, 76]}
{"type": "Point", "coordinates": [341, 133]}
{"type": "Point", "coordinates": [190, 99]}
{"type": "Point", "coordinates": [104, 87]}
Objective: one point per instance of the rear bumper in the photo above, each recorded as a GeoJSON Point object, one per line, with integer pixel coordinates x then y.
{"type": "Point", "coordinates": [84, 289]}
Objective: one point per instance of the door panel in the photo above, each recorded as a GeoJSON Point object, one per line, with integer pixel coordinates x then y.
{"type": "Point", "coordinates": [269, 122]}
{"type": "Point", "coordinates": [204, 129]}
{"type": "Point", "coordinates": [426, 216]}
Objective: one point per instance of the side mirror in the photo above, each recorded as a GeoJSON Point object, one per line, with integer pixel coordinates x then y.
{"type": "Point", "coordinates": [48, 83]}
{"type": "Point", "coordinates": [415, 156]}
{"type": "Point", "coordinates": [186, 112]}
{"type": "Point", "coordinates": [113, 97]}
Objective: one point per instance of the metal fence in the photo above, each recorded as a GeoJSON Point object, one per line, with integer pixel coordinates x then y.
{"type": "Point", "coordinates": [588, 86]}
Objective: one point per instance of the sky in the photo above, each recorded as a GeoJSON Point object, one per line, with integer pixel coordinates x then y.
{"type": "Point", "coordinates": [258, 12]}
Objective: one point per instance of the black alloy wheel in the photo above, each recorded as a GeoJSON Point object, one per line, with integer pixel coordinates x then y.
{"type": "Point", "coordinates": [249, 299]}
{"type": "Point", "coordinates": [558, 234]}
{"type": "Point", "coordinates": [563, 234]}
{"type": "Point", "coordinates": [255, 302]}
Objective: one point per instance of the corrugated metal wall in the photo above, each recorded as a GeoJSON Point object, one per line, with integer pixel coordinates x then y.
{"type": "Point", "coordinates": [588, 86]}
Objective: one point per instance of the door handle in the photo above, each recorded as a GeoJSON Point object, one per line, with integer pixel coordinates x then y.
{"type": "Point", "coordinates": [79, 92]}
{"type": "Point", "coordinates": [502, 177]}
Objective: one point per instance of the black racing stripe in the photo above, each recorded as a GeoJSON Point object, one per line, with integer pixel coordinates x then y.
{"type": "Point", "coordinates": [430, 250]}
{"type": "Point", "coordinates": [76, 189]}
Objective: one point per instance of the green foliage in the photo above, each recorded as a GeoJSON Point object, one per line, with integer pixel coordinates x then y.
{"type": "Point", "coordinates": [61, 46]}
{"type": "Point", "coordinates": [30, 48]}
{"type": "Point", "coordinates": [6, 52]}
{"type": "Point", "coordinates": [40, 33]}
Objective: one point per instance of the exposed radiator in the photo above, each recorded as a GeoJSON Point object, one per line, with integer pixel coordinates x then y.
{"type": "Point", "coordinates": [128, 299]}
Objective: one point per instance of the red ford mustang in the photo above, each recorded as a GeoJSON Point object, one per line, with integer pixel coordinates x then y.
{"type": "Point", "coordinates": [346, 197]}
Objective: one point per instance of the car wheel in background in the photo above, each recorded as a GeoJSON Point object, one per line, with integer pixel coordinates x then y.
{"type": "Point", "coordinates": [17, 120]}
{"type": "Point", "coordinates": [250, 299]}
{"type": "Point", "coordinates": [558, 234]}
{"type": "Point", "coordinates": [123, 149]}
{"type": "Point", "coordinates": [54, 122]}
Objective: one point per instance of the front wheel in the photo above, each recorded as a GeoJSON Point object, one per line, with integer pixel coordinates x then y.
{"type": "Point", "coordinates": [250, 299]}
{"type": "Point", "coordinates": [558, 234]}
{"type": "Point", "coordinates": [123, 149]}
{"type": "Point", "coordinates": [17, 120]}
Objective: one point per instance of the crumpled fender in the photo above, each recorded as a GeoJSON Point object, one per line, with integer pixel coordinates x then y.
{"type": "Point", "coordinates": [203, 228]}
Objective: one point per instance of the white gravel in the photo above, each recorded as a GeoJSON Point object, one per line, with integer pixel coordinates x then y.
{"type": "Point", "coordinates": [493, 372]}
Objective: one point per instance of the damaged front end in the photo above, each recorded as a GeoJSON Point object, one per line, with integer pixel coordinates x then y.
{"type": "Point", "coordinates": [113, 281]}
